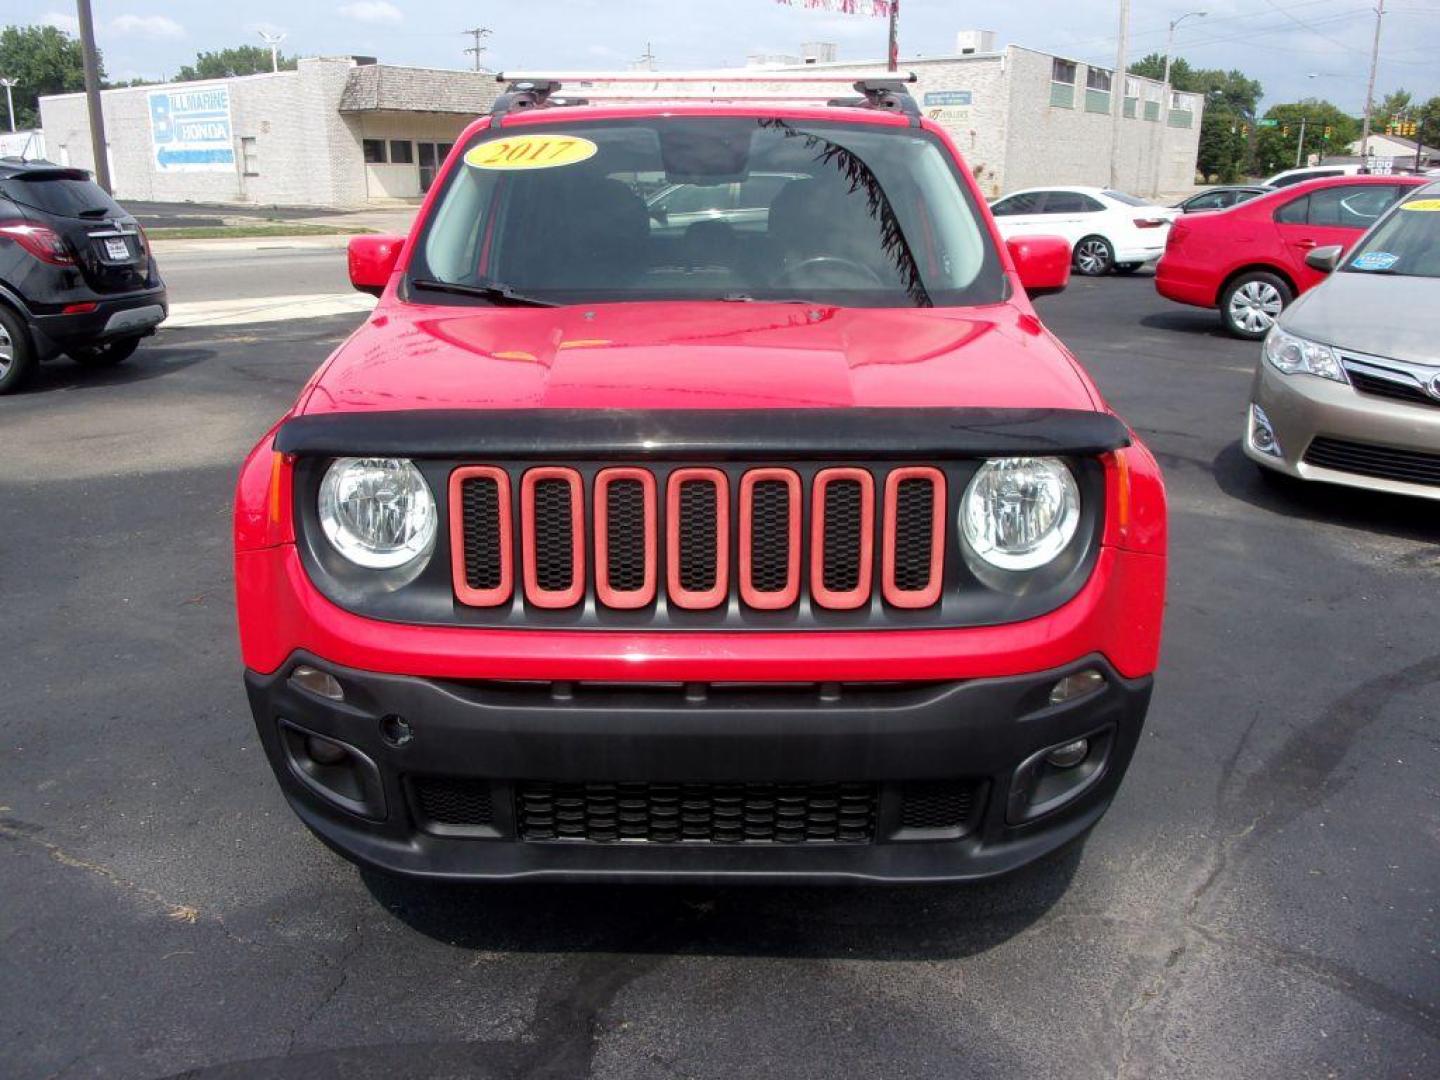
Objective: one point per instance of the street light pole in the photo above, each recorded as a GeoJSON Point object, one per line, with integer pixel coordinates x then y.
{"type": "Point", "coordinates": [272, 40]}
{"type": "Point", "coordinates": [9, 84]}
{"type": "Point", "coordinates": [1370, 89]}
{"type": "Point", "coordinates": [1300, 146]}
{"type": "Point", "coordinates": [1164, 117]}
{"type": "Point", "coordinates": [1117, 100]}
{"type": "Point", "coordinates": [92, 95]}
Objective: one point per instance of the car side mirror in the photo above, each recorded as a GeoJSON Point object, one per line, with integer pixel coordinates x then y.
{"type": "Point", "coordinates": [1325, 259]}
{"type": "Point", "coordinates": [1043, 263]}
{"type": "Point", "coordinates": [372, 260]}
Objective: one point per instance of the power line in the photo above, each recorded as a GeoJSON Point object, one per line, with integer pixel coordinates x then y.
{"type": "Point", "coordinates": [477, 32]}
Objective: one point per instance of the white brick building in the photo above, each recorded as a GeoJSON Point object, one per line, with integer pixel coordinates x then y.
{"type": "Point", "coordinates": [334, 132]}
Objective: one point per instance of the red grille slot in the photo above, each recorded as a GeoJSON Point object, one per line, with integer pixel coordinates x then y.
{"type": "Point", "coordinates": [482, 546]}
{"type": "Point", "coordinates": [770, 508]}
{"type": "Point", "coordinates": [697, 538]}
{"type": "Point", "coordinates": [913, 553]}
{"type": "Point", "coordinates": [626, 539]}
{"type": "Point", "coordinates": [552, 532]}
{"type": "Point", "coordinates": [842, 538]}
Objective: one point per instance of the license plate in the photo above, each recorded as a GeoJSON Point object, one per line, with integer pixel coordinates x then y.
{"type": "Point", "coordinates": [116, 248]}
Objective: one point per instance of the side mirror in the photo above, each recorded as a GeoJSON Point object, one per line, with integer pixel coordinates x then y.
{"type": "Point", "coordinates": [372, 260]}
{"type": "Point", "coordinates": [1043, 263]}
{"type": "Point", "coordinates": [1325, 259]}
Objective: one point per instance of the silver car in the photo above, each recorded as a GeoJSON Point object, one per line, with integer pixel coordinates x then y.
{"type": "Point", "coordinates": [1347, 390]}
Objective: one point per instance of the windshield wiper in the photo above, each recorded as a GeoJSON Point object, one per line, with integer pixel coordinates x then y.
{"type": "Point", "coordinates": [746, 298]}
{"type": "Point", "coordinates": [494, 291]}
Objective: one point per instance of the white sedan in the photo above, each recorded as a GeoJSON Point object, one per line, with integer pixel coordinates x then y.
{"type": "Point", "coordinates": [1108, 230]}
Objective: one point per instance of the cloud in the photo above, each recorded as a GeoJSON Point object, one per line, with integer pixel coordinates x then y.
{"type": "Point", "coordinates": [371, 11]}
{"type": "Point", "coordinates": [150, 26]}
{"type": "Point", "coordinates": [68, 23]}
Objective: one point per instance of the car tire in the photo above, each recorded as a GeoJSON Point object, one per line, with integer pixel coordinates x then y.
{"type": "Point", "coordinates": [17, 354]}
{"type": "Point", "coordinates": [1093, 257]}
{"type": "Point", "coordinates": [1127, 268]}
{"type": "Point", "coordinates": [1252, 302]}
{"type": "Point", "coordinates": [103, 356]}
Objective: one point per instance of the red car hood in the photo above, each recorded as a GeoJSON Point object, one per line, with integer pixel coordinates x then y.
{"type": "Point", "coordinates": [706, 355]}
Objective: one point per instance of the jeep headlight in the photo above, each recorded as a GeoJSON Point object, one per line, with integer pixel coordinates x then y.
{"type": "Point", "coordinates": [1295, 356]}
{"type": "Point", "coordinates": [377, 512]}
{"type": "Point", "coordinates": [1020, 513]}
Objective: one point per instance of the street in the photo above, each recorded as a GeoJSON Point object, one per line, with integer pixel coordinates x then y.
{"type": "Point", "coordinates": [1260, 900]}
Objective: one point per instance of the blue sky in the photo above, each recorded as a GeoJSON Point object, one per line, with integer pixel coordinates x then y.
{"type": "Point", "coordinates": [1281, 42]}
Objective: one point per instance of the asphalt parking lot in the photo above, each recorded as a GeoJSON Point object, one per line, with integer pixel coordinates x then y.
{"type": "Point", "coordinates": [1260, 901]}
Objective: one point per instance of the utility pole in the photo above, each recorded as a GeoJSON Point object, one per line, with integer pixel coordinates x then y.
{"type": "Point", "coordinates": [1300, 146]}
{"type": "Point", "coordinates": [273, 40]}
{"type": "Point", "coordinates": [647, 59]}
{"type": "Point", "coordinates": [9, 84]}
{"type": "Point", "coordinates": [1117, 100]}
{"type": "Point", "coordinates": [1164, 117]}
{"type": "Point", "coordinates": [1370, 90]}
{"type": "Point", "coordinates": [477, 32]}
{"type": "Point", "coordinates": [892, 51]}
{"type": "Point", "coordinates": [92, 95]}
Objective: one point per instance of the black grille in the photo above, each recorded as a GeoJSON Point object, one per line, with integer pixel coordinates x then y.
{"type": "Point", "coordinates": [625, 535]}
{"type": "Point", "coordinates": [945, 804]}
{"type": "Point", "coordinates": [699, 813]}
{"type": "Point", "coordinates": [453, 801]}
{"type": "Point", "coordinates": [1382, 462]}
{"type": "Point", "coordinates": [480, 506]}
{"type": "Point", "coordinates": [1369, 384]}
{"type": "Point", "coordinates": [554, 535]}
{"type": "Point", "coordinates": [914, 525]}
{"type": "Point", "coordinates": [697, 535]}
{"type": "Point", "coordinates": [843, 509]}
{"type": "Point", "coordinates": [770, 536]}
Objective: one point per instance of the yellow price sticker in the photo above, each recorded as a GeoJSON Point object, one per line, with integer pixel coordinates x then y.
{"type": "Point", "coordinates": [531, 152]}
{"type": "Point", "coordinates": [1421, 204]}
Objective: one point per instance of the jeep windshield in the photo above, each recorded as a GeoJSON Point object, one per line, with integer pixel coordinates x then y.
{"type": "Point", "coordinates": [737, 209]}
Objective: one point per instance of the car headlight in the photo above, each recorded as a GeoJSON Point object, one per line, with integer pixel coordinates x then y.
{"type": "Point", "coordinates": [377, 512]}
{"type": "Point", "coordinates": [1020, 513]}
{"type": "Point", "coordinates": [1295, 356]}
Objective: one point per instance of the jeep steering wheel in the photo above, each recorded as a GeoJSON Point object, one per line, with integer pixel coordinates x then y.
{"type": "Point", "coordinates": [834, 262]}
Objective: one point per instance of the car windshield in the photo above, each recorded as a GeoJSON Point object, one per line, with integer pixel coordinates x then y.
{"type": "Point", "coordinates": [706, 209]}
{"type": "Point", "coordinates": [1406, 243]}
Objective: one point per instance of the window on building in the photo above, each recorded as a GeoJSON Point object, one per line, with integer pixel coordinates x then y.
{"type": "Point", "coordinates": [1097, 79]}
{"type": "Point", "coordinates": [1062, 84]}
{"type": "Point", "coordinates": [402, 152]}
{"type": "Point", "coordinates": [249, 156]}
{"type": "Point", "coordinates": [1132, 96]}
{"type": "Point", "coordinates": [1182, 110]}
{"type": "Point", "coordinates": [1154, 94]}
{"type": "Point", "coordinates": [1097, 90]}
{"type": "Point", "coordinates": [374, 150]}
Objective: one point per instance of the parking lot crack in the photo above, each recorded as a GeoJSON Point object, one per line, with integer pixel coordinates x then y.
{"type": "Point", "coordinates": [354, 942]}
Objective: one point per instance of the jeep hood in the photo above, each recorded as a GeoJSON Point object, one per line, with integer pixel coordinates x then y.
{"type": "Point", "coordinates": [697, 355]}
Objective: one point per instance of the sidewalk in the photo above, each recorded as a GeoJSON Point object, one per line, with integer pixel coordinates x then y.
{"type": "Point", "coordinates": [158, 215]}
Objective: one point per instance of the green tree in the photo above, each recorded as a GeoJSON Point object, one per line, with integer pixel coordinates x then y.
{"type": "Point", "coordinates": [1389, 107]}
{"type": "Point", "coordinates": [1231, 101]}
{"type": "Point", "coordinates": [225, 63]}
{"type": "Point", "coordinates": [42, 60]}
{"type": "Point", "coordinates": [1327, 131]}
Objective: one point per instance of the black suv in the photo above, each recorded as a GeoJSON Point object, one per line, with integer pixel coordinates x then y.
{"type": "Point", "coordinates": [76, 275]}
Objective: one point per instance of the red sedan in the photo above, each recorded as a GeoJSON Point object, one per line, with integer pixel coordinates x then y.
{"type": "Point", "coordinates": [1249, 261]}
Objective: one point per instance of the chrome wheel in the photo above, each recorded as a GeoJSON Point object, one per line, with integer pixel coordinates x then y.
{"type": "Point", "coordinates": [7, 351]}
{"type": "Point", "coordinates": [1255, 306]}
{"type": "Point", "coordinates": [1092, 257]}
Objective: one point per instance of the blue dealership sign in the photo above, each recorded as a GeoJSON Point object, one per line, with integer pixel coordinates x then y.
{"type": "Point", "coordinates": [191, 130]}
{"type": "Point", "coordinates": [948, 97]}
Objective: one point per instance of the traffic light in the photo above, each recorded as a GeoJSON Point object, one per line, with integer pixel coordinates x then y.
{"type": "Point", "coordinates": [1326, 136]}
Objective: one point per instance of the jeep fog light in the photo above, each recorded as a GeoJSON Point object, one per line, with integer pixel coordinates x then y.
{"type": "Point", "coordinates": [377, 512]}
{"type": "Point", "coordinates": [1262, 433]}
{"type": "Point", "coordinates": [315, 681]}
{"type": "Point", "coordinates": [1020, 513]}
{"type": "Point", "coordinates": [1076, 686]}
{"type": "Point", "coordinates": [1068, 755]}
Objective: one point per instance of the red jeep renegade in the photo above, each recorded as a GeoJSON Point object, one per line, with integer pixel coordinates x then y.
{"type": "Point", "coordinates": [703, 499]}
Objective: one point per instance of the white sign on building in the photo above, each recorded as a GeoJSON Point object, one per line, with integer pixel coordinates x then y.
{"type": "Point", "coordinates": [190, 130]}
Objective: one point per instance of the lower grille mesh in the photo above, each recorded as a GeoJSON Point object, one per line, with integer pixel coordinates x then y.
{"type": "Point", "coordinates": [1382, 462]}
{"type": "Point", "coordinates": [699, 813]}
{"type": "Point", "coordinates": [453, 802]}
{"type": "Point", "coordinates": [937, 805]}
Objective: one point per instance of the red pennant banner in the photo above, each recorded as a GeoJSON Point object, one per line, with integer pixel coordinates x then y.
{"type": "Point", "coordinates": [878, 8]}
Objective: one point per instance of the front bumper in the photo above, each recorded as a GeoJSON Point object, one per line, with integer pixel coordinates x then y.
{"type": "Point", "coordinates": [132, 315]}
{"type": "Point", "coordinates": [983, 735]}
{"type": "Point", "coordinates": [1302, 408]}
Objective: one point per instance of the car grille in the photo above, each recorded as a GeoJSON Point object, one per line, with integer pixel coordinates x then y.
{"type": "Point", "coordinates": [453, 802]}
{"type": "Point", "coordinates": [938, 806]}
{"type": "Point", "coordinates": [1388, 388]}
{"type": "Point", "coordinates": [1381, 462]}
{"type": "Point", "coordinates": [801, 813]}
{"type": "Point", "coordinates": [704, 537]}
